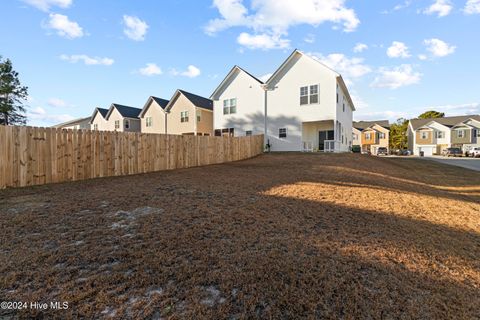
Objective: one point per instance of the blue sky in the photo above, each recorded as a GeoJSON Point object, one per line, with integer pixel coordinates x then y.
{"type": "Point", "coordinates": [399, 57]}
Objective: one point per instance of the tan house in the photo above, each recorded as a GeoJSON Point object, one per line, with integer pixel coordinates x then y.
{"type": "Point", "coordinates": [153, 118]}
{"type": "Point", "coordinates": [123, 118]}
{"type": "Point", "coordinates": [371, 135]}
{"type": "Point", "coordinates": [189, 114]}
{"type": "Point", "coordinates": [432, 136]}
{"type": "Point", "coordinates": [80, 123]}
{"type": "Point", "coordinates": [98, 121]}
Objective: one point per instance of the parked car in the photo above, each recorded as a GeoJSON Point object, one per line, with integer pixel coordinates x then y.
{"type": "Point", "coordinates": [453, 152]}
{"type": "Point", "coordinates": [474, 152]}
{"type": "Point", "coordinates": [382, 151]}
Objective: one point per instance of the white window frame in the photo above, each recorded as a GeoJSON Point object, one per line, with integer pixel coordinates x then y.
{"type": "Point", "coordinates": [281, 132]}
{"type": "Point", "coordinates": [461, 133]}
{"type": "Point", "coordinates": [95, 126]}
{"type": "Point", "coordinates": [304, 94]}
{"type": "Point", "coordinates": [367, 136]}
{"type": "Point", "coordinates": [148, 122]}
{"type": "Point", "coordinates": [230, 106]}
{"type": "Point", "coordinates": [117, 124]}
{"type": "Point", "coordinates": [315, 92]}
{"type": "Point", "coordinates": [184, 116]}
{"type": "Point", "coordinates": [439, 134]}
{"type": "Point", "coordinates": [126, 124]}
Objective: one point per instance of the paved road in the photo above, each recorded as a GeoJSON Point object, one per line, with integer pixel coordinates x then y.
{"type": "Point", "coordinates": [469, 163]}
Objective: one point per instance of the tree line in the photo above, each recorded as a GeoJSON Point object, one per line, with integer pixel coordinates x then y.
{"type": "Point", "coordinates": [12, 95]}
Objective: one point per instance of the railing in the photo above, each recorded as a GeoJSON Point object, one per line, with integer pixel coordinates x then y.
{"type": "Point", "coordinates": [307, 146]}
{"type": "Point", "coordinates": [330, 145]}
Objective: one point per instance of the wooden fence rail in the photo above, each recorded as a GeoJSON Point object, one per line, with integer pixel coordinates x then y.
{"type": "Point", "coordinates": [34, 156]}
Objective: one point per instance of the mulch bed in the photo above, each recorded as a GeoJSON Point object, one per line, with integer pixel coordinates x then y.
{"type": "Point", "coordinates": [281, 236]}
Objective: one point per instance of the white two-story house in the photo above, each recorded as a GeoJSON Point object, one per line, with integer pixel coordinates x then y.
{"type": "Point", "coordinates": [305, 106]}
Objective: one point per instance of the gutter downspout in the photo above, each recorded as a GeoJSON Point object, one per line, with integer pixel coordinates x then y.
{"type": "Point", "coordinates": [265, 139]}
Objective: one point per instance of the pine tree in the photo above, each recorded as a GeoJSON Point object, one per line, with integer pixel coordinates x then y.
{"type": "Point", "coordinates": [12, 95]}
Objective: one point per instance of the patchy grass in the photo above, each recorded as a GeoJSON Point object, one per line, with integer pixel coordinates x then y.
{"type": "Point", "coordinates": [278, 236]}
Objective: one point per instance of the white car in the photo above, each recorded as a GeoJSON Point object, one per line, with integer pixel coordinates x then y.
{"type": "Point", "coordinates": [475, 152]}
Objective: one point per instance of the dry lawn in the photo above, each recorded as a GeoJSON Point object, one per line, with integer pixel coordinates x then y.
{"type": "Point", "coordinates": [281, 236]}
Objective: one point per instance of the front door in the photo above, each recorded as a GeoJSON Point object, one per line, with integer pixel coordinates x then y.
{"type": "Point", "coordinates": [322, 136]}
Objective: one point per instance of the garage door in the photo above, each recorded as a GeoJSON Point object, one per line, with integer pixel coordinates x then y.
{"type": "Point", "coordinates": [427, 151]}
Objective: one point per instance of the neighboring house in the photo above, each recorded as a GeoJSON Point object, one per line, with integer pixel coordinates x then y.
{"type": "Point", "coordinates": [371, 135]}
{"type": "Point", "coordinates": [123, 118]}
{"type": "Point", "coordinates": [239, 104]}
{"type": "Point", "coordinates": [153, 117]}
{"type": "Point", "coordinates": [432, 136]}
{"type": "Point", "coordinates": [189, 114]}
{"type": "Point", "coordinates": [98, 121]}
{"type": "Point", "coordinates": [305, 105]}
{"type": "Point", "coordinates": [80, 123]}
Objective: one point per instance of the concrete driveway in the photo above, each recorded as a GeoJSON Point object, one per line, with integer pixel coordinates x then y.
{"type": "Point", "coordinates": [469, 163]}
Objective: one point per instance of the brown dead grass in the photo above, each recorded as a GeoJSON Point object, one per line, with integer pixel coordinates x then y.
{"type": "Point", "coordinates": [278, 236]}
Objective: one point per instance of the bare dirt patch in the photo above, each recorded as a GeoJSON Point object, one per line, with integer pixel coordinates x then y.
{"type": "Point", "coordinates": [278, 236]}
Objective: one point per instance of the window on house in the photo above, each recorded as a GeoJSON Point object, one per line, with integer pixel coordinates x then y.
{"type": "Point", "coordinates": [303, 95]}
{"type": "Point", "coordinates": [337, 97]}
{"type": "Point", "coordinates": [461, 133]}
{"type": "Point", "coordinates": [282, 132]}
{"type": "Point", "coordinates": [148, 121]}
{"type": "Point", "coordinates": [95, 126]}
{"type": "Point", "coordinates": [199, 116]}
{"type": "Point", "coordinates": [227, 132]}
{"type": "Point", "coordinates": [184, 116]}
{"type": "Point", "coordinates": [354, 136]}
{"type": "Point", "coordinates": [314, 94]}
{"type": "Point", "coordinates": [344, 107]}
{"type": "Point", "coordinates": [478, 133]}
{"type": "Point", "coordinates": [381, 135]}
{"type": "Point", "coordinates": [117, 124]}
{"type": "Point", "coordinates": [439, 134]}
{"type": "Point", "coordinates": [127, 124]}
{"type": "Point", "coordinates": [367, 136]}
{"type": "Point", "coordinates": [218, 133]}
{"type": "Point", "coordinates": [230, 106]}
{"type": "Point", "coordinates": [248, 133]}
{"type": "Point", "coordinates": [424, 135]}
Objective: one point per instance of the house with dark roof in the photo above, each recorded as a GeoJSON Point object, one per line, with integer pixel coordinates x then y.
{"type": "Point", "coordinates": [432, 136]}
{"type": "Point", "coordinates": [79, 123]}
{"type": "Point", "coordinates": [153, 118]}
{"type": "Point", "coordinates": [122, 118]}
{"type": "Point", "coordinates": [303, 106]}
{"type": "Point", "coordinates": [97, 120]}
{"type": "Point", "coordinates": [189, 114]}
{"type": "Point", "coordinates": [371, 135]}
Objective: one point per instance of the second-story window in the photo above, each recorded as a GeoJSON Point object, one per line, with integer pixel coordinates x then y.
{"type": "Point", "coordinates": [461, 133]}
{"type": "Point", "coordinates": [439, 134]}
{"type": "Point", "coordinates": [230, 106]}
{"type": "Point", "coordinates": [127, 124]}
{"type": "Point", "coordinates": [314, 94]}
{"type": "Point", "coordinates": [117, 124]}
{"type": "Point", "coordinates": [367, 136]}
{"type": "Point", "coordinates": [424, 135]}
{"type": "Point", "coordinates": [199, 116]}
{"type": "Point", "coordinates": [309, 94]}
{"type": "Point", "coordinates": [148, 121]}
{"type": "Point", "coordinates": [95, 126]}
{"type": "Point", "coordinates": [184, 116]}
{"type": "Point", "coordinates": [381, 135]}
{"type": "Point", "coordinates": [303, 95]}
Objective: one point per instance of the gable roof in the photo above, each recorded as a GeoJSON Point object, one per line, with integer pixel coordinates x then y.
{"type": "Point", "coordinates": [161, 102]}
{"type": "Point", "coordinates": [229, 75]}
{"type": "Point", "coordinates": [446, 121]}
{"type": "Point", "coordinates": [362, 125]}
{"type": "Point", "coordinates": [103, 112]}
{"type": "Point", "coordinates": [196, 100]}
{"type": "Point", "coordinates": [125, 111]}
{"type": "Point", "coordinates": [299, 54]}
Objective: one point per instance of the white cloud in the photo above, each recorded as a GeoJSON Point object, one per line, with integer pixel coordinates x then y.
{"type": "Point", "coordinates": [349, 68]}
{"type": "Point", "coordinates": [422, 57]}
{"type": "Point", "coordinates": [38, 116]}
{"type": "Point", "coordinates": [265, 77]}
{"type": "Point", "coordinates": [399, 6]}
{"type": "Point", "coordinates": [45, 5]}
{"type": "Point", "coordinates": [438, 47]}
{"type": "Point", "coordinates": [387, 114]}
{"type": "Point", "coordinates": [64, 27]}
{"type": "Point", "coordinates": [440, 7]}
{"type": "Point", "coordinates": [87, 60]}
{"type": "Point", "coordinates": [310, 38]}
{"type": "Point", "coordinates": [191, 72]}
{"type": "Point", "coordinates": [151, 69]}
{"type": "Point", "coordinates": [396, 77]}
{"type": "Point", "coordinates": [398, 50]}
{"type": "Point", "coordinates": [262, 41]}
{"type": "Point", "coordinates": [57, 103]}
{"type": "Point", "coordinates": [359, 47]}
{"type": "Point", "coordinates": [273, 18]}
{"type": "Point", "coordinates": [135, 28]}
{"type": "Point", "coordinates": [459, 109]}
{"type": "Point", "coordinates": [472, 7]}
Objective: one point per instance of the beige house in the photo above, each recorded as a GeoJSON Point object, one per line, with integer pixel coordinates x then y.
{"type": "Point", "coordinates": [189, 114]}
{"type": "Point", "coordinates": [371, 135]}
{"type": "Point", "coordinates": [432, 136]}
{"type": "Point", "coordinates": [80, 123]}
{"type": "Point", "coordinates": [153, 118]}
{"type": "Point", "coordinates": [98, 121]}
{"type": "Point", "coordinates": [123, 118]}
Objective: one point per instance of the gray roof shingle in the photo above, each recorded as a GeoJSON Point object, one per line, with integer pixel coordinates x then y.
{"type": "Point", "coordinates": [446, 121]}
{"type": "Point", "coordinates": [161, 102]}
{"type": "Point", "coordinates": [362, 125]}
{"type": "Point", "coordinates": [198, 101]}
{"type": "Point", "coordinates": [126, 111]}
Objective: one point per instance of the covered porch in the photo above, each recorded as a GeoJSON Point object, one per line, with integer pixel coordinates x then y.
{"type": "Point", "coordinates": [320, 136]}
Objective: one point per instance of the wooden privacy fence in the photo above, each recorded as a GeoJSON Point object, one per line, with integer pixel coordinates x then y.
{"type": "Point", "coordinates": [35, 156]}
